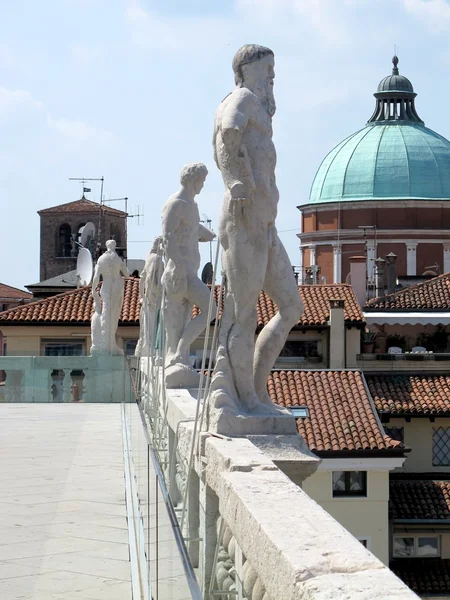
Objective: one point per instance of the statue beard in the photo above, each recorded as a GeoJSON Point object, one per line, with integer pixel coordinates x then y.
{"type": "Point", "coordinates": [265, 94]}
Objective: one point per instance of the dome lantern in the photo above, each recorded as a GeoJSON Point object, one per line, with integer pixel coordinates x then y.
{"type": "Point", "coordinates": [395, 99]}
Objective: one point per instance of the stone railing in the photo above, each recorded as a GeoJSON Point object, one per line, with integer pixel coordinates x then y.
{"type": "Point", "coordinates": [64, 379]}
{"type": "Point", "coordinates": [250, 529]}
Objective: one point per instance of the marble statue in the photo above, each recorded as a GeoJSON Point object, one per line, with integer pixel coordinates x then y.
{"type": "Point", "coordinates": [108, 305]}
{"type": "Point", "coordinates": [253, 257]}
{"type": "Point", "coordinates": [181, 232]}
{"type": "Point", "coordinates": [150, 293]}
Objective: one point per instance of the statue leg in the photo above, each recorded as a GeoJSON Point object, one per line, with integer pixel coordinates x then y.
{"type": "Point", "coordinates": [244, 261]}
{"type": "Point", "coordinates": [281, 286]}
{"type": "Point", "coordinates": [197, 293]}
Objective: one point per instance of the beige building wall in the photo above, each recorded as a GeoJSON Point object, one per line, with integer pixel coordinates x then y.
{"type": "Point", "coordinates": [418, 435]}
{"type": "Point", "coordinates": [353, 347]}
{"type": "Point", "coordinates": [26, 340]}
{"type": "Point", "coordinates": [362, 517]}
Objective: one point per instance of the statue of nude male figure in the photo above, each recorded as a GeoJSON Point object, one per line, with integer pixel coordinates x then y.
{"type": "Point", "coordinates": [181, 232]}
{"type": "Point", "coordinates": [253, 258]}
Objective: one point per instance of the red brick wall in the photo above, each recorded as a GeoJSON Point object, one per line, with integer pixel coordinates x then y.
{"type": "Point", "coordinates": [429, 254]}
{"type": "Point", "coordinates": [324, 258]}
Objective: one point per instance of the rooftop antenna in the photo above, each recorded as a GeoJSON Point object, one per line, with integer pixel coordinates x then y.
{"type": "Point", "coordinates": [83, 181]}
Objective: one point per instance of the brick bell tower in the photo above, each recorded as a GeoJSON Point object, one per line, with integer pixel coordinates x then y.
{"type": "Point", "coordinates": [60, 230]}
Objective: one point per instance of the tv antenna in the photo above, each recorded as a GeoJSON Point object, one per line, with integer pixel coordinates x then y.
{"type": "Point", "coordinates": [84, 180]}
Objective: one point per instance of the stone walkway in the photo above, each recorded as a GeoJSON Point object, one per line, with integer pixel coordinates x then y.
{"type": "Point", "coordinates": [63, 527]}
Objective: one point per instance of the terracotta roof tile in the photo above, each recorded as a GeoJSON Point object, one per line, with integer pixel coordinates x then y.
{"type": "Point", "coordinates": [316, 300]}
{"type": "Point", "coordinates": [410, 394]}
{"type": "Point", "coordinates": [412, 499]}
{"type": "Point", "coordinates": [7, 291]}
{"type": "Point", "coordinates": [75, 306]}
{"type": "Point", "coordinates": [432, 295]}
{"type": "Point", "coordinates": [425, 576]}
{"type": "Point", "coordinates": [341, 416]}
{"type": "Point", "coordinates": [82, 206]}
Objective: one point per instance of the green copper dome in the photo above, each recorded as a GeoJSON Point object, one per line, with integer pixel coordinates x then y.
{"type": "Point", "coordinates": [394, 156]}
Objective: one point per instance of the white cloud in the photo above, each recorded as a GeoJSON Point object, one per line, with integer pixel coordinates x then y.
{"type": "Point", "coordinates": [79, 131]}
{"type": "Point", "coordinates": [435, 13]}
{"type": "Point", "coordinates": [12, 101]}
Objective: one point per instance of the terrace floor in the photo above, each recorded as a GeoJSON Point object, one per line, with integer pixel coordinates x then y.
{"type": "Point", "coordinates": [63, 522]}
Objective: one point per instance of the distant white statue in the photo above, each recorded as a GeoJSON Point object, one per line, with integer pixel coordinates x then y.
{"type": "Point", "coordinates": [181, 232]}
{"type": "Point", "coordinates": [253, 258]}
{"type": "Point", "coordinates": [150, 293]}
{"type": "Point", "coordinates": [108, 305]}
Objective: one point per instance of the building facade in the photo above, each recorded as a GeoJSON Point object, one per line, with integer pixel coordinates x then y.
{"type": "Point", "coordinates": [386, 188]}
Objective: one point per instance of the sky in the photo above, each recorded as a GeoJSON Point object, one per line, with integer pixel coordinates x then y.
{"type": "Point", "coordinates": [127, 90]}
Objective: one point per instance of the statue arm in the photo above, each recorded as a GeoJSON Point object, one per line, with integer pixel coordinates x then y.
{"type": "Point", "coordinates": [236, 166]}
{"type": "Point", "coordinates": [123, 270]}
{"type": "Point", "coordinates": [205, 234]}
{"type": "Point", "coordinates": [95, 294]}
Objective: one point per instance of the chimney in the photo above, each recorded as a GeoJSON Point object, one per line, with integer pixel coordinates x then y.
{"type": "Point", "coordinates": [358, 277]}
{"type": "Point", "coordinates": [379, 277]}
{"type": "Point", "coordinates": [391, 259]}
{"type": "Point", "coordinates": [337, 335]}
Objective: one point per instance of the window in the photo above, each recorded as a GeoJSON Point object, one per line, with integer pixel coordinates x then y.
{"type": "Point", "coordinates": [349, 483]}
{"type": "Point", "coordinates": [63, 347]}
{"type": "Point", "coordinates": [441, 447]}
{"type": "Point", "coordinates": [65, 240]}
{"type": "Point", "coordinates": [416, 546]}
{"type": "Point", "coordinates": [365, 541]}
{"type": "Point", "coordinates": [300, 412]}
{"type": "Point", "coordinates": [129, 347]}
{"type": "Point", "coordinates": [300, 348]}
{"type": "Point", "coordinates": [396, 433]}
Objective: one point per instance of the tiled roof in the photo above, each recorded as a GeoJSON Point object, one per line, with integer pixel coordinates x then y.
{"type": "Point", "coordinates": [432, 295]}
{"type": "Point", "coordinates": [316, 300]}
{"type": "Point", "coordinates": [341, 416]}
{"type": "Point", "coordinates": [7, 291]}
{"type": "Point", "coordinates": [72, 307]}
{"type": "Point", "coordinates": [418, 499]}
{"type": "Point", "coordinates": [410, 394]}
{"type": "Point", "coordinates": [82, 206]}
{"type": "Point", "coordinates": [76, 306]}
{"type": "Point", "coordinates": [425, 576]}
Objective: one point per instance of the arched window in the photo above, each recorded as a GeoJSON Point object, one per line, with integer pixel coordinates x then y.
{"type": "Point", "coordinates": [65, 240]}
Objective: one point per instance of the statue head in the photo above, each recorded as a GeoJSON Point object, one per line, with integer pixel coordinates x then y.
{"type": "Point", "coordinates": [156, 244]}
{"type": "Point", "coordinates": [194, 175]}
{"type": "Point", "coordinates": [111, 245]}
{"type": "Point", "coordinates": [254, 68]}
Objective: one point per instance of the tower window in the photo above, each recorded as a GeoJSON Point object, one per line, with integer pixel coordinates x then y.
{"type": "Point", "coordinates": [65, 240]}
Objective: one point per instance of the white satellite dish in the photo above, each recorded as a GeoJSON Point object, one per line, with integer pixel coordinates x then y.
{"type": "Point", "coordinates": [85, 266]}
{"type": "Point", "coordinates": [87, 234]}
